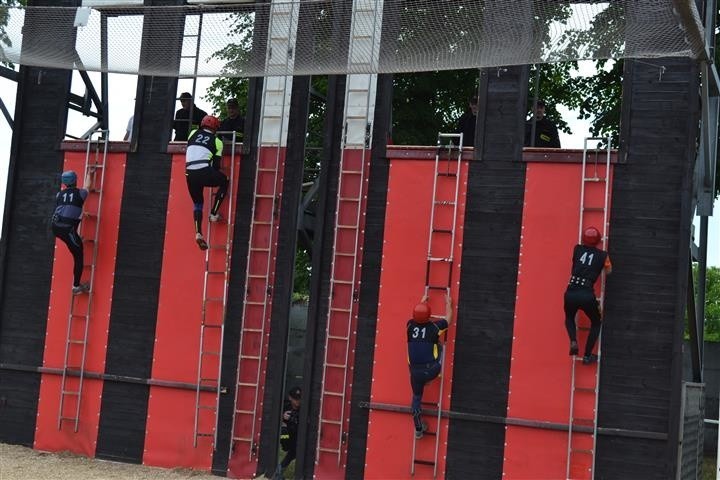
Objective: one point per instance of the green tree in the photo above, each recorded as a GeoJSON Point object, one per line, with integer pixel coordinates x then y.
{"type": "Point", "coordinates": [5, 11]}
{"type": "Point", "coordinates": [712, 303]}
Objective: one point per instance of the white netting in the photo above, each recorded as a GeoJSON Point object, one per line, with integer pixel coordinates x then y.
{"type": "Point", "coordinates": [414, 35]}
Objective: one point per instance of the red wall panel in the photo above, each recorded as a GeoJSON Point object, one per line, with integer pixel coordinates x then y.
{"type": "Point", "coordinates": [169, 438]}
{"type": "Point", "coordinates": [47, 436]}
{"type": "Point", "coordinates": [402, 282]}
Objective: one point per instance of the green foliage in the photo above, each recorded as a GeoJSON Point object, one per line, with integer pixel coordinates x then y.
{"type": "Point", "coordinates": [712, 304]}
{"type": "Point", "coordinates": [4, 18]}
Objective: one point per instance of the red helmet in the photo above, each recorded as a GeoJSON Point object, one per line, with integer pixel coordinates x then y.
{"type": "Point", "coordinates": [590, 236]}
{"type": "Point", "coordinates": [421, 312]}
{"type": "Point", "coordinates": [210, 122]}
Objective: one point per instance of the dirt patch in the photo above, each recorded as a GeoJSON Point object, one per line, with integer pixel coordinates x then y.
{"type": "Point", "coordinates": [22, 463]}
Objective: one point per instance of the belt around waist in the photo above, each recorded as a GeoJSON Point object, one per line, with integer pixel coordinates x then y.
{"type": "Point", "coordinates": [424, 365]}
{"type": "Point", "coordinates": [580, 281]}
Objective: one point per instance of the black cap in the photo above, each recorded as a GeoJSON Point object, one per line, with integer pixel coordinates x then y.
{"type": "Point", "coordinates": [541, 103]}
{"type": "Point", "coordinates": [233, 102]}
{"type": "Point", "coordinates": [185, 96]}
{"type": "Point", "coordinates": [295, 393]}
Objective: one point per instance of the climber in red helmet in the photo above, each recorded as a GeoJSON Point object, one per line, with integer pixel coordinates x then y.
{"type": "Point", "coordinates": [204, 150]}
{"type": "Point", "coordinates": [588, 262]}
{"type": "Point", "coordinates": [424, 353]}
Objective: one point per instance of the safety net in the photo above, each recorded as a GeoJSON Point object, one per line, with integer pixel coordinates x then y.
{"type": "Point", "coordinates": [312, 37]}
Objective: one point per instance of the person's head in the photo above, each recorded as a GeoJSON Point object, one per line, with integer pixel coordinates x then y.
{"type": "Point", "coordinates": [186, 100]}
{"type": "Point", "coordinates": [209, 122]}
{"type": "Point", "coordinates": [540, 110]}
{"type": "Point", "coordinates": [473, 104]}
{"type": "Point", "coordinates": [421, 312]}
{"type": "Point", "coordinates": [233, 108]}
{"type": "Point", "coordinates": [590, 236]}
{"type": "Point", "coordinates": [295, 396]}
{"type": "Point", "coordinates": [69, 178]}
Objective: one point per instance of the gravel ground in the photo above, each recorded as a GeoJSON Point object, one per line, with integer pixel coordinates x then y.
{"type": "Point", "coordinates": [22, 463]}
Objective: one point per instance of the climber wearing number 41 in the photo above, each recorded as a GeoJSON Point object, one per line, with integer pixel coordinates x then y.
{"type": "Point", "coordinates": [588, 262]}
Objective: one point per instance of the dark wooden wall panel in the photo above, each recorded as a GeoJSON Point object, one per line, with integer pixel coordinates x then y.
{"type": "Point", "coordinates": [649, 247]}
{"type": "Point", "coordinates": [27, 245]}
{"type": "Point", "coordinates": [133, 316]}
{"type": "Point", "coordinates": [486, 306]}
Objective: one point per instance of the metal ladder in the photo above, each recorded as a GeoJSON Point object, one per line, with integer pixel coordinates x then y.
{"type": "Point", "coordinates": [441, 242]}
{"type": "Point", "coordinates": [80, 308]}
{"type": "Point", "coordinates": [345, 268]}
{"type": "Point", "coordinates": [258, 278]}
{"type": "Point", "coordinates": [214, 307]}
{"type": "Point", "coordinates": [194, 57]}
{"type": "Point", "coordinates": [579, 446]}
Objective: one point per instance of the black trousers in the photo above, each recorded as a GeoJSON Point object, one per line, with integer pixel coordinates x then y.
{"type": "Point", "coordinates": [582, 298]}
{"type": "Point", "coordinates": [197, 180]}
{"type": "Point", "coordinates": [74, 243]}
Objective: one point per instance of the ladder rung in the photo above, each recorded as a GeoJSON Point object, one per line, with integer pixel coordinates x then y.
{"type": "Point", "coordinates": [447, 174]}
{"type": "Point", "coordinates": [263, 195]}
{"type": "Point", "coordinates": [349, 199]}
{"type": "Point", "coordinates": [265, 169]}
{"type": "Point", "coordinates": [258, 249]}
{"type": "Point", "coordinates": [212, 325]}
{"type": "Point", "coordinates": [70, 392]}
{"type": "Point", "coordinates": [441, 230]}
{"type": "Point", "coordinates": [329, 450]}
{"type": "Point", "coordinates": [206, 407]}
{"type": "Point", "coordinates": [262, 222]}
{"type": "Point", "coordinates": [338, 337]}
{"type": "Point", "coordinates": [245, 412]}
{"type": "Point", "coordinates": [203, 434]}
{"type": "Point", "coordinates": [344, 254]}
{"type": "Point", "coordinates": [586, 389]}
{"type": "Point", "coordinates": [250, 357]}
{"type": "Point", "coordinates": [583, 451]}
{"type": "Point", "coordinates": [242, 439]}
{"type": "Point", "coordinates": [97, 165]}
{"type": "Point", "coordinates": [424, 462]}
{"type": "Point", "coordinates": [335, 365]}
{"type": "Point", "coordinates": [214, 299]}
{"type": "Point", "coordinates": [348, 226]}
{"type": "Point", "coordinates": [252, 330]}
{"type": "Point", "coordinates": [594, 179]}
{"type": "Point", "coordinates": [68, 418]}
{"type": "Point", "coordinates": [345, 310]}
{"type": "Point", "coordinates": [331, 422]}
{"type": "Point", "coordinates": [212, 352]}
{"type": "Point", "coordinates": [343, 282]}
{"type": "Point", "coordinates": [356, 117]}
{"type": "Point", "coordinates": [254, 303]}
{"type": "Point", "coordinates": [247, 384]}
{"type": "Point", "coordinates": [440, 259]}
{"type": "Point", "coordinates": [436, 287]}
{"type": "Point", "coordinates": [352, 172]}
{"type": "Point", "coordinates": [443, 202]}
{"type": "Point", "coordinates": [76, 342]}
{"type": "Point", "coordinates": [332, 394]}
{"type": "Point", "coordinates": [251, 275]}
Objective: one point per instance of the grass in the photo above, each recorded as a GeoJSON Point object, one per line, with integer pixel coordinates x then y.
{"type": "Point", "coordinates": [708, 469]}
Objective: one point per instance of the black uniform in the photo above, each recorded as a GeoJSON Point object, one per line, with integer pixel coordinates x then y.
{"type": "Point", "coordinates": [182, 122]}
{"type": "Point", "coordinates": [65, 221]}
{"type": "Point", "coordinates": [288, 433]}
{"type": "Point", "coordinates": [587, 264]}
{"type": "Point", "coordinates": [546, 134]}
{"type": "Point", "coordinates": [230, 125]}
{"type": "Point", "coordinates": [466, 126]}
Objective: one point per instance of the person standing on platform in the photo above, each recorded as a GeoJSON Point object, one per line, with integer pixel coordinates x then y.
{"type": "Point", "coordinates": [182, 123]}
{"type": "Point", "coordinates": [588, 262]}
{"type": "Point", "coordinates": [467, 121]}
{"type": "Point", "coordinates": [289, 429]}
{"type": "Point", "coordinates": [233, 123]}
{"type": "Point", "coordinates": [546, 133]}
{"type": "Point", "coordinates": [66, 219]}
{"type": "Point", "coordinates": [202, 158]}
{"type": "Point", "coordinates": [425, 353]}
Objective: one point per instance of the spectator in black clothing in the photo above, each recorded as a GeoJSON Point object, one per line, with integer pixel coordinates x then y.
{"type": "Point", "coordinates": [234, 121]}
{"type": "Point", "coordinates": [182, 116]}
{"type": "Point", "coordinates": [289, 430]}
{"type": "Point", "coordinates": [546, 133]}
{"type": "Point", "coordinates": [466, 123]}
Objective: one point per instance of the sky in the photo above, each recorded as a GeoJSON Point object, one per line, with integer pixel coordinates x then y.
{"type": "Point", "coordinates": [122, 97]}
